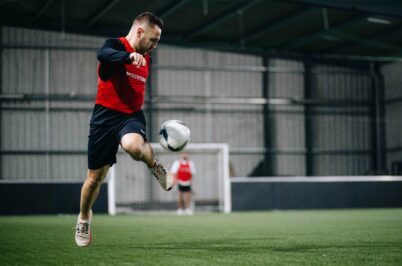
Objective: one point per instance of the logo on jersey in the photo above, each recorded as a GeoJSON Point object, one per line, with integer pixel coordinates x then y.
{"type": "Point", "coordinates": [137, 77]}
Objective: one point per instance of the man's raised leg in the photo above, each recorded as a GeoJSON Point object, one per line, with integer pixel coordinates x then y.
{"type": "Point", "coordinates": [140, 150]}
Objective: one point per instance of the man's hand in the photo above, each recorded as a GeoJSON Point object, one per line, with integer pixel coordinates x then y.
{"type": "Point", "coordinates": [138, 59]}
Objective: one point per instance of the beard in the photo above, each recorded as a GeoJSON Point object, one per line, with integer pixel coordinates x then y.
{"type": "Point", "coordinates": [142, 49]}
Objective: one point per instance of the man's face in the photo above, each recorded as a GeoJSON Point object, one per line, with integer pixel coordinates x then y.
{"type": "Point", "coordinates": [149, 39]}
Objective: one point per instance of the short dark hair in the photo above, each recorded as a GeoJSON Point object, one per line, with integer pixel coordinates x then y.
{"type": "Point", "coordinates": [151, 18]}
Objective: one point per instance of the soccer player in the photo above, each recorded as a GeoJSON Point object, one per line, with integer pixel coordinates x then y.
{"type": "Point", "coordinates": [117, 118]}
{"type": "Point", "coordinates": [184, 171]}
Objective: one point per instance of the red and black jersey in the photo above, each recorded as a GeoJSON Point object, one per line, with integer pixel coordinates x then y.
{"type": "Point", "coordinates": [121, 85]}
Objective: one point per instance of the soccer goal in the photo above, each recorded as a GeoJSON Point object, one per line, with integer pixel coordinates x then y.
{"type": "Point", "coordinates": [132, 188]}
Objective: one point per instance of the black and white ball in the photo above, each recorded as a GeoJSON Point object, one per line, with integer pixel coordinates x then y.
{"type": "Point", "coordinates": [174, 135]}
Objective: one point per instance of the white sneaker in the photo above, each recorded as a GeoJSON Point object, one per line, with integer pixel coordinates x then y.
{"type": "Point", "coordinates": [188, 212]}
{"type": "Point", "coordinates": [83, 235]}
{"type": "Point", "coordinates": [180, 212]}
{"type": "Point", "coordinates": [164, 178]}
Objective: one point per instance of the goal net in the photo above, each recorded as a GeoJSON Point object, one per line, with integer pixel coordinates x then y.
{"type": "Point", "coordinates": [131, 187]}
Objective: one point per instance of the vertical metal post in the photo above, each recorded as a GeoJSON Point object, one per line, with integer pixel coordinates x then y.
{"type": "Point", "coordinates": [308, 138]}
{"type": "Point", "coordinates": [111, 187]}
{"type": "Point", "coordinates": [152, 133]}
{"type": "Point", "coordinates": [208, 93]}
{"type": "Point", "coordinates": [378, 120]}
{"type": "Point", "coordinates": [150, 90]}
{"type": "Point", "coordinates": [1, 105]}
{"type": "Point", "coordinates": [267, 167]}
{"type": "Point", "coordinates": [47, 112]}
{"type": "Point", "coordinates": [208, 107]}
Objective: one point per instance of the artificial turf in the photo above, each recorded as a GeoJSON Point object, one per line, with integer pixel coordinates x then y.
{"type": "Point", "coordinates": [326, 237]}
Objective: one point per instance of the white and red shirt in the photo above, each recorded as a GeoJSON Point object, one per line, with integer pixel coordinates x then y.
{"type": "Point", "coordinates": [184, 171]}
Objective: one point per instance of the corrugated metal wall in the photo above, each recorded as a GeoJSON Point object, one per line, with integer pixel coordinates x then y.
{"type": "Point", "coordinates": [393, 114]}
{"type": "Point", "coordinates": [44, 127]}
{"type": "Point", "coordinates": [201, 84]}
{"type": "Point", "coordinates": [341, 133]}
{"type": "Point", "coordinates": [286, 121]}
{"type": "Point", "coordinates": [48, 84]}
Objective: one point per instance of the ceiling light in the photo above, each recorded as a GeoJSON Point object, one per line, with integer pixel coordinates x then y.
{"type": "Point", "coordinates": [378, 20]}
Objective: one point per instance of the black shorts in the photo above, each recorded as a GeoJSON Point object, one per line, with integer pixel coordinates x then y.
{"type": "Point", "coordinates": [107, 127]}
{"type": "Point", "coordinates": [183, 188]}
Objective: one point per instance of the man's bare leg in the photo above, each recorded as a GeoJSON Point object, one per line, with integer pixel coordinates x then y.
{"type": "Point", "coordinates": [90, 189]}
{"type": "Point", "coordinates": [140, 150]}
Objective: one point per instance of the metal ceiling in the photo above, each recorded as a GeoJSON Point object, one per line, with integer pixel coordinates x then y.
{"type": "Point", "coordinates": [330, 29]}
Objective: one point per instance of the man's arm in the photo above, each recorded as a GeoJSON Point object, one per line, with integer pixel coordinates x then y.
{"type": "Point", "coordinates": [175, 167]}
{"type": "Point", "coordinates": [113, 51]}
{"type": "Point", "coordinates": [192, 168]}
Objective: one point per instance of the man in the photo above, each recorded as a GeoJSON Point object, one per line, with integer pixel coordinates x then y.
{"type": "Point", "coordinates": [184, 171]}
{"type": "Point", "coordinates": [118, 118]}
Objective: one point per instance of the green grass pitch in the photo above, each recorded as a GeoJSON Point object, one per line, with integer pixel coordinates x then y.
{"type": "Point", "coordinates": [327, 237]}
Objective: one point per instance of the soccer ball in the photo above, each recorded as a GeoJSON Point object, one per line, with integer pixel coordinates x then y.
{"type": "Point", "coordinates": [174, 135]}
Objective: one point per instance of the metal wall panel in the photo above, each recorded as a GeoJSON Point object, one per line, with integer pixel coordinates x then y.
{"type": "Point", "coordinates": [392, 80]}
{"type": "Point", "coordinates": [216, 58]}
{"type": "Point", "coordinates": [23, 167]}
{"type": "Point", "coordinates": [341, 164]}
{"type": "Point", "coordinates": [340, 130]}
{"type": "Point", "coordinates": [236, 84]}
{"type": "Point", "coordinates": [242, 164]}
{"type": "Point", "coordinates": [180, 83]}
{"type": "Point", "coordinates": [175, 56]}
{"type": "Point", "coordinates": [44, 167]}
{"type": "Point", "coordinates": [393, 112]}
{"type": "Point", "coordinates": [344, 129]}
{"type": "Point", "coordinates": [67, 167]}
{"type": "Point", "coordinates": [23, 131]}
{"type": "Point", "coordinates": [198, 73]}
{"type": "Point", "coordinates": [12, 36]}
{"type": "Point", "coordinates": [286, 122]}
{"type": "Point", "coordinates": [68, 131]}
{"type": "Point", "coordinates": [73, 72]}
{"type": "Point", "coordinates": [394, 125]}
{"type": "Point", "coordinates": [286, 79]}
{"type": "Point", "coordinates": [332, 82]}
{"type": "Point", "coordinates": [23, 71]}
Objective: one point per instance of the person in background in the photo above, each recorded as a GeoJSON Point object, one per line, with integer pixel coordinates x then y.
{"type": "Point", "coordinates": [184, 171]}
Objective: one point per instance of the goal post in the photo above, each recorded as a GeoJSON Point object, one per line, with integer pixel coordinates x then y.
{"type": "Point", "coordinates": [132, 188]}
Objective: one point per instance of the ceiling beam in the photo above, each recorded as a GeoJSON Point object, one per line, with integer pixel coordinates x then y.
{"type": "Point", "coordinates": [100, 13]}
{"type": "Point", "coordinates": [301, 41]}
{"type": "Point", "coordinates": [220, 18]}
{"type": "Point", "coordinates": [42, 9]}
{"type": "Point", "coordinates": [387, 9]}
{"type": "Point", "coordinates": [172, 7]}
{"type": "Point", "coordinates": [365, 41]}
{"type": "Point", "coordinates": [377, 38]}
{"type": "Point", "coordinates": [273, 25]}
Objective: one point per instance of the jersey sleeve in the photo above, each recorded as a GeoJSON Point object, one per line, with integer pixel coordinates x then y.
{"type": "Point", "coordinates": [110, 55]}
{"type": "Point", "coordinates": [175, 167]}
{"type": "Point", "coordinates": [192, 168]}
{"type": "Point", "coordinates": [113, 52]}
